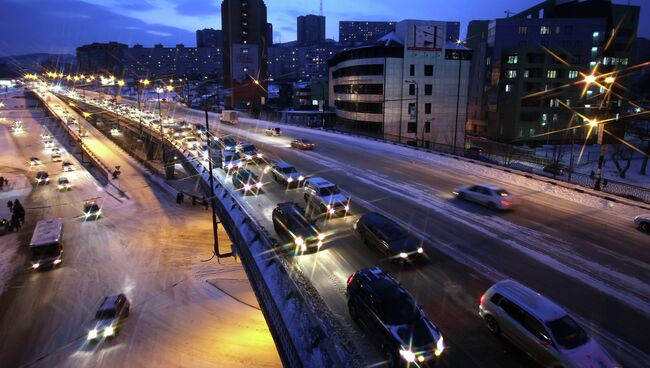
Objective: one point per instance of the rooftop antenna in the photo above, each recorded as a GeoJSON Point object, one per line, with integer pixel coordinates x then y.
{"type": "Point", "coordinates": [321, 8]}
{"type": "Point", "coordinates": [508, 12]}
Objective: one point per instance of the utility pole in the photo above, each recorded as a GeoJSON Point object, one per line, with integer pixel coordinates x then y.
{"type": "Point", "coordinates": [601, 157]}
{"type": "Point", "coordinates": [460, 65]}
{"type": "Point", "coordinates": [212, 195]}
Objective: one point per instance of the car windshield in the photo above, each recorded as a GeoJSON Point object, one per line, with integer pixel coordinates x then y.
{"type": "Point", "coordinates": [288, 170]}
{"type": "Point", "coordinates": [232, 156]}
{"type": "Point", "coordinates": [45, 251]}
{"type": "Point", "coordinates": [502, 193]}
{"type": "Point", "coordinates": [92, 208]}
{"type": "Point", "coordinates": [305, 141]}
{"type": "Point", "coordinates": [249, 149]}
{"type": "Point", "coordinates": [105, 314]}
{"type": "Point", "coordinates": [249, 176]}
{"type": "Point", "coordinates": [418, 334]}
{"type": "Point", "coordinates": [567, 332]}
{"type": "Point", "coordinates": [328, 191]}
{"type": "Point", "coordinates": [397, 309]}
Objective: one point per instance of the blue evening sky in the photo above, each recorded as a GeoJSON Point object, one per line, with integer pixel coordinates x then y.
{"type": "Point", "coordinates": [58, 26]}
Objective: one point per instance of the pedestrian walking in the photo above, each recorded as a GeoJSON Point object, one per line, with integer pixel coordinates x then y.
{"type": "Point", "coordinates": [10, 205]}
{"type": "Point", "coordinates": [2, 182]}
{"type": "Point", "coordinates": [178, 198]}
{"type": "Point", "coordinates": [15, 222]}
{"type": "Point", "coordinates": [182, 197]}
{"type": "Point", "coordinates": [193, 200]}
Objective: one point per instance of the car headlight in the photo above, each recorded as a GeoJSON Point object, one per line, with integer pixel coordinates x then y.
{"type": "Point", "coordinates": [321, 236]}
{"type": "Point", "coordinates": [109, 331]}
{"type": "Point", "coordinates": [328, 206]}
{"type": "Point", "coordinates": [299, 241]}
{"type": "Point", "coordinates": [301, 178]}
{"type": "Point", "coordinates": [259, 185]}
{"type": "Point", "coordinates": [408, 355]}
{"type": "Point", "coordinates": [403, 255]}
{"type": "Point", "coordinates": [290, 180]}
{"type": "Point", "coordinates": [92, 334]}
{"type": "Point", "coordinates": [259, 155]}
{"type": "Point", "coordinates": [420, 250]}
{"type": "Point", "coordinates": [60, 186]}
{"type": "Point", "coordinates": [57, 261]}
{"type": "Point", "coordinates": [440, 347]}
{"type": "Point", "coordinates": [240, 164]}
{"type": "Point", "coordinates": [249, 157]}
{"type": "Point", "coordinates": [247, 187]}
{"type": "Point", "coordinates": [36, 265]}
{"type": "Point", "coordinates": [230, 166]}
{"type": "Point", "coordinates": [332, 211]}
{"type": "Point", "coordinates": [347, 207]}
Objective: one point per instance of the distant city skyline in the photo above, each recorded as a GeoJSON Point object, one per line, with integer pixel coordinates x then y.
{"type": "Point", "coordinates": [37, 26]}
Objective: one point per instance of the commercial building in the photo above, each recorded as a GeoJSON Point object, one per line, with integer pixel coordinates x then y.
{"type": "Point", "coordinates": [311, 29]}
{"type": "Point", "coordinates": [292, 62]}
{"type": "Point", "coordinates": [531, 68]}
{"type": "Point", "coordinates": [245, 42]}
{"type": "Point", "coordinates": [410, 86]}
{"type": "Point", "coordinates": [209, 38]}
{"type": "Point", "coordinates": [359, 31]}
{"type": "Point", "coordinates": [150, 62]}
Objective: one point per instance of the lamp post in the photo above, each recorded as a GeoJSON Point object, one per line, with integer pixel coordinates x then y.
{"type": "Point", "coordinates": [417, 102]}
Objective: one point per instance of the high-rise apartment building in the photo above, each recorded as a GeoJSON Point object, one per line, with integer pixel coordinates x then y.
{"type": "Point", "coordinates": [311, 29]}
{"type": "Point", "coordinates": [533, 64]}
{"type": "Point", "coordinates": [245, 43]}
{"type": "Point", "coordinates": [209, 38]}
{"type": "Point", "coordinates": [359, 31]}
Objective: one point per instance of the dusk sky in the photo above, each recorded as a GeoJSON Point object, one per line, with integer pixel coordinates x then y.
{"type": "Point", "coordinates": [59, 26]}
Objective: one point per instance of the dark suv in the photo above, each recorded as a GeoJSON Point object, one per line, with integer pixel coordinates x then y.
{"type": "Point", "coordinates": [108, 318]}
{"type": "Point", "coordinates": [389, 314]}
{"type": "Point", "coordinates": [291, 224]}
{"type": "Point", "coordinates": [247, 182]}
{"type": "Point", "coordinates": [384, 234]}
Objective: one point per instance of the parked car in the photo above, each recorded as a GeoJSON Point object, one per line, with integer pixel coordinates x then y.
{"type": "Point", "coordinates": [227, 143]}
{"type": "Point", "coordinates": [231, 161]}
{"type": "Point", "coordinates": [303, 144]}
{"type": "Point", "coordinates": [190, 142]}
{"type": "Point", "coordinates": [273, 132]}
{"type": "Point", "coordinates": [249, 152]}
{"type": "Point", "coordinates": [643, 222]}
{"type": "Point", "coordinates": [34, 161]}
{"type": "Point", "coordinates": [292, 225]}
{"type": "Point", "coordinates": [109, 317]}
{"type": "Point", "coordinates": [287, 175]}
{"type": "Point", "coordinates": [67, 166]}
{"type": "Point", "coordinates": [56, 157]}
{"type": "Point", "coordinates": [555, 169]}
{"type": "Point", "coordinates": [247, 182]}
{"type": "Point", "coordinates": [387, 236]}
{"type": "Point", "coordinates": [539, 327]}
{"type": "Point", "coordinates": [390, 314]}
{"type": "Point", "coordinates": [489, 195]}
{"type": "Point", "coordinates": [326, 197]}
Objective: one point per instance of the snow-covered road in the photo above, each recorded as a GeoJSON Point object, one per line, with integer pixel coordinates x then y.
{"type": "Point", "coordinates": [147, 247]}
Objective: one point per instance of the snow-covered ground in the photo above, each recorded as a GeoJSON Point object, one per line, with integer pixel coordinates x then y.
{"type": "Point", "coordinates": [589, 162]}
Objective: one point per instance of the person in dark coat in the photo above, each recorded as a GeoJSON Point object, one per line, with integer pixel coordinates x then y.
{"type": "Point", "coordinates": [10, 205]}
{"type": "Point", "coordinates": [19, 210]}
{"type": "Point", "coordinates": [182, 197]}
{"type": "Point", "coordinates": [2, 182]}
{"type": "Point", "coordinates": [15, 222]}
{"type": "Point", "coordinates": [178, 198]}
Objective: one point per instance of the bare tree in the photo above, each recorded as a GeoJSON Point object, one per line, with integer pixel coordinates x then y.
{"type": "Point", "coordinates": [622, 157]}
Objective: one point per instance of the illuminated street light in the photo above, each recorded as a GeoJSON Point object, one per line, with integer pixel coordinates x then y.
{"type": "Point", "coordinates": [170, 88]}
{"type": "Point", "coordinates": [590, 78]}
{"type": "Point", "coordinates": [610, 80]}
{"type": "Point", "coordinates": [120, 83]}
{"type": "Point", "coordinates": [160, 90]}
{"type": "Point", "coordinates": [86, 114]}
{"type": "Point", "coordinates": [593, 123]}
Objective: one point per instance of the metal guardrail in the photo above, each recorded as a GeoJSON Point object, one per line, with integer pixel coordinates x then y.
{"type": "Point", "coordinates": [303, 337]}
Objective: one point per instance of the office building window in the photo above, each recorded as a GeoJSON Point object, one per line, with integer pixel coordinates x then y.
{"type": "Point", "coordinates": [412, 70]}
{"type": "Point", "coordinates": [411, 89]}
{"type": "Point", "coordinates": [557, 29]}
{"type": "Point", "coordinates": [412, 128]}
{"type": "Point", "coordinates": [544, 30]}
{"type": "Point", "coordinates": [511, 73]}
{"type": "Point", "coordinates": [526, 73]}
{"type": "Point", "coordinates": [412, 110]}
{"type": "Point", "coordinates": [427, 108]}
{"type": "Point", "coordinates": [427, 127]}
{"type": "Point", "coordinates": [551, 73]}
{"type": "Point", "coordinates": [428, 89]}
{"type": "Point", "coordinates": [512, 59]}
{"type": "Point", "coordinates": [508, 87]}
{"type": "Point", "coordinates": [428, 70]}
{"type": "Point", "coordinates": [573, 74]}
{"type": "Point", "coordinates": [523, 30]}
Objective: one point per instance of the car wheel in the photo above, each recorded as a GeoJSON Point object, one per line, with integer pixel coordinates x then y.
{"type": "Point", "coordinates": [275, 177]}
{"type": "Point", "coordinates": [492, 325]}
{"type": "Point", "coordinates": [461, 196]}
{"type": "Point", "coordinates": [645, 226]}
{"type": "Point", "coordinates": [391, 359]}
{"type": "Point", "coordinates": [306, 197]}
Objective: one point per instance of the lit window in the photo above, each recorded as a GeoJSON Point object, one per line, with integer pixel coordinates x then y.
{"type": "Point", "coordinates": [596, 34]}
{"type": "Point", "coordinates": [526, 73]}
{"type": "Point", "coordinates": [573, 74]}
{"type": "Point", "coordinates": [511, 73]}
{"type": "Point", "coordinates": [512, 59]}
{"type": "Point", "coordinates": [508, 87]}
{"type": "Point", "coordinates": [551, 73]}
{"type": "Point", "coordinates": [523, 30]}
{"type": "Point", "coordinates": [544, 30]}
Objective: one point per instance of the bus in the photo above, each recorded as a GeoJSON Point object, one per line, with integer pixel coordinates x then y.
{"type": "Point", "coordinates": [46, 245]}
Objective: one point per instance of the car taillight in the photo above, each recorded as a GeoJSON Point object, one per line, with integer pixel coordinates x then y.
{"type": "Point", "coordinates": [506, 203]}
{"type": "Point", "coordinates": [482, 298]}
{"type": "Point", "coordinates": [350, 279]}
